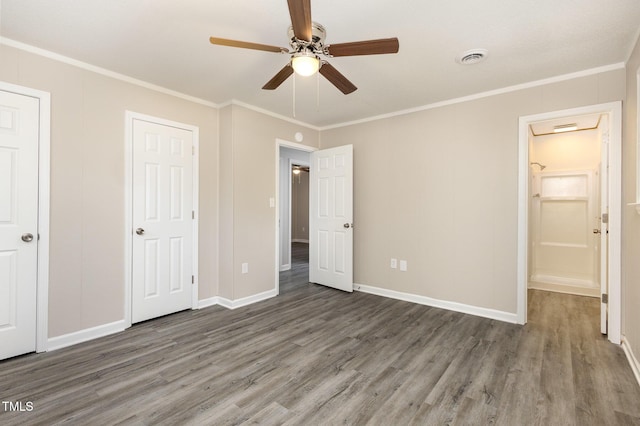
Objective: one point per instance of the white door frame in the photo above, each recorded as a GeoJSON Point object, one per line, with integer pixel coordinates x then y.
{"type": "Point", "coordinates": [44, 167]}
{"type": "Point", "coordinates": [281, 143]}
{"type": "Point", "coordinates": [614, 110]}
{"type": "Point", "coordinates": [128, 205]}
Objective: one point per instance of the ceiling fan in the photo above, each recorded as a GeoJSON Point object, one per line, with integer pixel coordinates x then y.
{"type": "Point", "coordinates": [306, 41]}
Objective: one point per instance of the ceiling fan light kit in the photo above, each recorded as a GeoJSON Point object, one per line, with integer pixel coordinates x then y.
{"type": "Point", "coordinates": [306, 41]}
{"type": "Point", "coordinates": [305, 63]}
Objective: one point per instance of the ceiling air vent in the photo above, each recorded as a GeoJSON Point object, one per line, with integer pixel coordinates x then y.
{"type": "Point", "coordinates": [471, 57]}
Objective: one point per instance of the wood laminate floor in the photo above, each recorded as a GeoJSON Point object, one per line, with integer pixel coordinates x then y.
{"type": "Point", "coordinates": [315, 356]}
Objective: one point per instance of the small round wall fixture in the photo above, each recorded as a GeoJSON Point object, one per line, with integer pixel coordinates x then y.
{"type": "Point", "coordinates": [472, 57]}
{"type": "Point", "coordinates": [299, 137]}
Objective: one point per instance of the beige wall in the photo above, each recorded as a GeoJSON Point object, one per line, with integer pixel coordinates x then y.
{"type": "Point", "coordinates": [630, 218]}
{"type": "Point", "coordinates": [439, 189]}
{"type": "Point", "coordinates": [226, 203]}
{"type": "Point", "coordinates": [300, 206]}
{"type": "Point", "coordinates": [86, 286]}
{"type": "Point", "coordinates": [248, 162]}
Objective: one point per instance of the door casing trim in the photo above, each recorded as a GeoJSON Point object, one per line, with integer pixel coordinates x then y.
{"type": "Point", "coordinates": [130, 116]}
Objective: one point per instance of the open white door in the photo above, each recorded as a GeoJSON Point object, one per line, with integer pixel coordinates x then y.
{"type": "Point", "coordinates": [604, 232]}
{"type": "Point", "coordinates": [19, 116]}
{"type": "Point", "coordinates": [162, 247]}
{"type": "Point", "coordinates": [331, 218]}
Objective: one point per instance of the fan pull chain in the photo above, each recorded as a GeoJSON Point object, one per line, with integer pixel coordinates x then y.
{"type": "Point", "coordinates": [317, 92]}
{"type": "Point", "coordinates": [294, 95]}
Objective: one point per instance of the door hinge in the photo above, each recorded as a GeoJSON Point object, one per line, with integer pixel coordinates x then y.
{"type": "Point", "coordinates": [193, 279]}
{"type": "Point", "coordinates": [193, 214]}
{"type": "Point", "coordinates": [605, 298]}
{"type": "Point", "coordinates": [605, 217]}
{"type": "Point", "coordinates": [193, 150]}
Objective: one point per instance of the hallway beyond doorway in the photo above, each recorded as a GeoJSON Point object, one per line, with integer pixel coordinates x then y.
{"type": "Point", "coordinates": [299, 272]}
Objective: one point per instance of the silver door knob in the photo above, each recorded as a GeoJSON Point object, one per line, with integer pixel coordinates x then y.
{"type": "Point", "coordinates": [139, 231]}
{"type": "Point", "coordinates": [348, 225]}
{"type": "Point", "coordinates": [596, 231]}
{"type": "Point", "coordinates": [27, 238]}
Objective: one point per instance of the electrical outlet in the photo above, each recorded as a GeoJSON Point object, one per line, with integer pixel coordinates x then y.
{"type": "Point", "coordinates": [403, 265]}
{"type": "Point", "coordinates": [394, 263]}
{"type": "Point", "coordinates": [245, 268]}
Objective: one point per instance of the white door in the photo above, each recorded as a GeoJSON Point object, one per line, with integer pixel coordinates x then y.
{"type": "Point", "coordinates": [162, 220]}
{"type": "Point", "coordinates": [19, 117]}
{"type": "Point", "coordinates": [566, 249]}
{"type": "Point", "coordinates": [331, 218]}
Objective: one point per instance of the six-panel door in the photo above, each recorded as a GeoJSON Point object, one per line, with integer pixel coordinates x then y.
{"type": "Point", "coordinates": [162, 220]}
{"type": "Point", "coordinates": [18, 222]}
{"type": "Point", "coordinates": [331, 218]}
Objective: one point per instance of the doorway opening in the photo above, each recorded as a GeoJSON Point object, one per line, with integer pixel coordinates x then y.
{"type": "Point", "coordinates": [569, 207]}
{"type": "Point", "coordinates": [292, 238]}
{"type": "Point", "coordinates": [564, 199]}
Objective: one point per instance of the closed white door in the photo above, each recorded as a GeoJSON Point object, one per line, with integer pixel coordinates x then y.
{"type": "Point", "coordinates": [162, 220]}
{"type": "Point", "coordinates": [18, 223]}
{"type": "Point", "coordinates": [331, 218]}
{"type": "Point", "coordinates": [566, 242]}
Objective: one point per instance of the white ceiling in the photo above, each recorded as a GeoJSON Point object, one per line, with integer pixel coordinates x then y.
{"type": "Point", "coordinates": [166, 42]}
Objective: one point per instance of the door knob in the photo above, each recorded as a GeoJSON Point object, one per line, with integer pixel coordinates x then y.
{"type": "Point", "coordinates": [27, 238]}
{"type": "Point", "coordinates": [348, 225]}
{"type": "Point", "coordinates": [139, 231]}
{"type": "Point", "coordinates": [596, 231]}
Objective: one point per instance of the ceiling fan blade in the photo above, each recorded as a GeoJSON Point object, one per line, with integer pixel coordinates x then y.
{"type": "Point", "coordinates": [300, 11]}
{"type": "Point", "coordinates": [367, 47]}
{"type": "Point", "coordinates": [279, 78]}
{"type": "Point", "coordinates": [337, 79]}
{"type": "Point", "coordinates": [247, 45]}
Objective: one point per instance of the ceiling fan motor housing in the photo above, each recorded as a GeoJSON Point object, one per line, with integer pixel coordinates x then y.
{"type": "Point", "coordinates": [316, 45]}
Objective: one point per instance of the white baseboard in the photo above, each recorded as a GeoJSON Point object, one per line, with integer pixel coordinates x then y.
{"type": "Point", "coordinates": [81, 336]}
{"type": "Point", "coordinates": [565, 281]}
{"type": "Point", "coordinates": [633, 361]}
{"type": "Point", "coordinates": [205, 303]}
{"type": "Point", "coordinates": [285, 267]}
{"type": "Point", "coordinates": [436, 303]}
{"type": "Point", "coordinates": [566, 289]}
{"type": "Point", "coordinates": [238, 303]}
{"type": "Point", "coordinates": [299, 240]}
{"type": "Point", "coordinates": [118, 326]}
{"type": "Point", "coordinates": [85, 335]}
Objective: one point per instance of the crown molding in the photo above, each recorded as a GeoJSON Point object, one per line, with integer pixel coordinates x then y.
{"type": "Point", "coordinates": [103, 71]}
